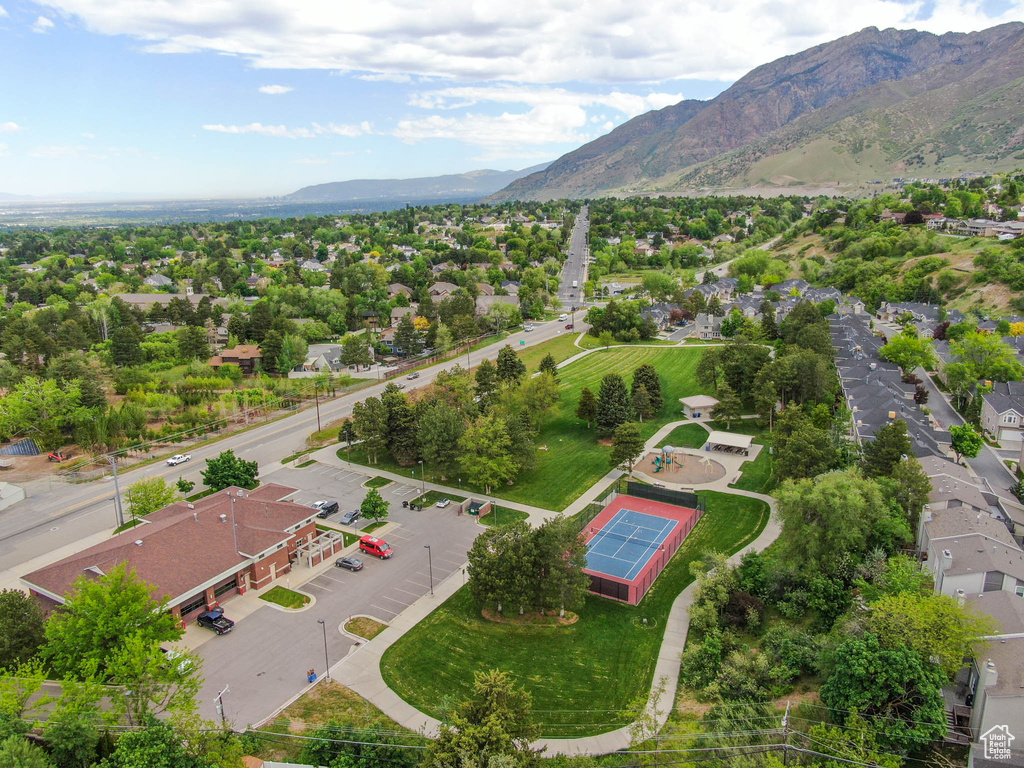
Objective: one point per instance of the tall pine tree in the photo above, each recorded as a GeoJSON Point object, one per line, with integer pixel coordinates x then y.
{"type": "Point", "coordinates": [613, 404]}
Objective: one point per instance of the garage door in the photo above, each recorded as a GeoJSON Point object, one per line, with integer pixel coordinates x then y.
{"type": "Point", "coordinates": [1010, 436]}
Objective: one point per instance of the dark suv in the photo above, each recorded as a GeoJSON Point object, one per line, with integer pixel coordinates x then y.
{"type": "Point", "coordinates": [215, 620]}
{"type": "Point", "coordinates": [349, 518]}
{"type": "Point", "coordinates": [326, 508]}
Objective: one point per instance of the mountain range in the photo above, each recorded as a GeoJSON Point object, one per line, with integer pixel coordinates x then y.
{"type": "Point", "coordinates": [471, 185]}
{"type": "Point", "coordinates": [870, 106]}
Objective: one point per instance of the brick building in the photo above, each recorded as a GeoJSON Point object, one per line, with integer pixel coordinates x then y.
{"type": "Point", "coordinates": [196, 555]}
{"type": "Point", "coordinates": [245, 356]}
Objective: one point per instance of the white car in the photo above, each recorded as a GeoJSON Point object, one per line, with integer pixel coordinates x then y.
{"type": "Point", "coordinates": [563, 317]}
{"type": "Point", "coordinates": [528, 327]}
{"type": "Point", "coordinates": [442, 503]}
{"type": "Point", "coordinates": [179, 458]}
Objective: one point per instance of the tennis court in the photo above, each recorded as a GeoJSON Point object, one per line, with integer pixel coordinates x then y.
{"type": "Point", "coordinates": [627, 542]}
{"type": "Point", "coordinates": [630, 542]}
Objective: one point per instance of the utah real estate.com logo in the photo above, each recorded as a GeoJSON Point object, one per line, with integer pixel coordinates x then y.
{"type": "Point", "coordinates": [997, 741]}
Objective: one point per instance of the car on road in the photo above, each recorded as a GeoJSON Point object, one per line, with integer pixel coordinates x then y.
{"type": "Point", "coordinates": [371, 545]}
{"type": "Point", "coordinates": [215, 620]}
{"type": "Point", "coordinates": [528, 327]}
{"type": "Point", "coordinates": [569, 326]}
{"type": "Point", "coordinates": [349, 518]}
{"type": "Point", "coordinates": [326, 508]}
{"type": "Point", "coordinates": [563, 317]}
{"type": "Point", "coordinates": [350, 563]}
{"type": "Point", "coordinates": [179, 458]}
{"type": "Point", "coordinates": [442, 503]}
{"type": "Point", "coordinates": [413, 375]}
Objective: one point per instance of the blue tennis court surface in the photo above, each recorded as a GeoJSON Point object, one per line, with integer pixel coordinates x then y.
{"type": "Point", "coordinates": [626, 543]}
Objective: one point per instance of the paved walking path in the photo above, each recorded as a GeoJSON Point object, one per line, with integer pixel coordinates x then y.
{"type": "Point", "coordinates": [361, 670]}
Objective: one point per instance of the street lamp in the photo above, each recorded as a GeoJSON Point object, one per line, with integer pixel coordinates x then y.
{"type": "Point", "coordinates": [494, 508]}
{"type": "Point", "coordinates": [327, 661]}
{"type": "Point", "coordinates": [430, 568]}
{"type": "Point", "coordinates": [423, 482]}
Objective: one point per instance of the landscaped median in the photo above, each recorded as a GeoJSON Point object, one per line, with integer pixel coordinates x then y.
{"type": "Point", "coordinates": [583, 678]}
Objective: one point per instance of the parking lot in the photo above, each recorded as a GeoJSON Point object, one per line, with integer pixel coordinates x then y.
{"type": "Point", "coordinates": [265, 658]}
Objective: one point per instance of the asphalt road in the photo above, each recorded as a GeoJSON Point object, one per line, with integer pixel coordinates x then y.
{"type": "Point", "coordinates": [64, 514]}
{"type": "Point", "coordinates": [575, 266]}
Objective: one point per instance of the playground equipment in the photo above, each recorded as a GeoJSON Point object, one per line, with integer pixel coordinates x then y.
{"type": "Point", "coordinates": [707, 464]}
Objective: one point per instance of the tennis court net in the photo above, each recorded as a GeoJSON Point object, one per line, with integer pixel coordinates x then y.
{"type": "Point", "coordinates": [634, 538]}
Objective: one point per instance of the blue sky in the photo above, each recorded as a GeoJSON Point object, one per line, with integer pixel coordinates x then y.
{"type": "Point", "coordinates": [118, 99]}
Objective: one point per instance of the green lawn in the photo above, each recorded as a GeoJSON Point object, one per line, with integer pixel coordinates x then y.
{"type": "Point", "coordinates": [592, 342]}
{"type": "Point", "coordinates": [575, 460]}
{"type": "Point", "coordinates": [285, 597]}
{"type": "Point", "coordinates": [581, 676]}
{"type": "Point", "coordinates": [561, 348]}
{"type": "Point", "coordinates": [687, 436]}
{"type": "Point", "coordinates": [377, 482]}
{"type": "Point", "coordinates": [759, 475]}
{"type": "Point", "coordinates": [504, 516]}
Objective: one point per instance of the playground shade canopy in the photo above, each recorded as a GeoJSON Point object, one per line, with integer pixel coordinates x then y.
{"type": "Point", "coordinates": [730, 440]}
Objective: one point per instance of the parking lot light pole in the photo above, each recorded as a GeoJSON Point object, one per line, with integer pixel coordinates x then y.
{"type": "Point", "coordinates": [327, 661]}
{"type": "Point", "coordinates": [423, 482]}
{"type": "Point", "coordinates": [430, 568]}
{"type": "Point", "coordinates": [219, 701]}
{"type": "Point", "coordinates": [316, 394]}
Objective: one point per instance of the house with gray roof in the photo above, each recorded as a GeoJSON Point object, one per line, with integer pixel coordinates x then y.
{"type": "Point", "coordinates": [1002, 412]}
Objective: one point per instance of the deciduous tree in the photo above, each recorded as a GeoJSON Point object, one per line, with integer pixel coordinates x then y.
{"type": "Point", "coordinates": [729, 407]}
{"type": "Point", "coordinates": [440, 428]}
{"type": "Point", "coordinates": [966, 441]}
{"type": "Point", "coordinates": [21, 628]}
{"type": "Point", "coordinates": [486, 452]}
{"type": "Point", "coordinates": [374, 507]}
{"type": "Point", "coordinates": [149, 495]}
{"type": "Point", "coordinates": [228, 470]}
{"type": "Point", "coordinates": [587, 408]}
{"type": "Point", "coordinates": [98, 617]}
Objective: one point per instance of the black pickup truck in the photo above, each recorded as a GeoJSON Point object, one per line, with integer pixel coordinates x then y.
{"type": "Point", "coordinates": [215, 620]}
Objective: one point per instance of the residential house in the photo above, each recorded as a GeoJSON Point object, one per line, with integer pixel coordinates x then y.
{"type": "Point", "coordinates": [1002, 411]}
{"type": "Point", "coordinates": [397, 288]}
{"type": "Point", "coordinates": [709, 326]}
{"type": "Point", "coordinates": [245, 356]}
{"type": "Point", "coordinates": [397, 313]}
{"type": "Point", "coordinates": [158, 281]}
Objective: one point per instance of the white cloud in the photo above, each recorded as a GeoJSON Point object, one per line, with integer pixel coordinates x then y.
{"type": "Point", "coordinates": [385, 77]}
{"type": "Point", "coordinates": [548, 41]}
{"type": "Point", "coordinates": [9, 127]}
{"type": "Point", "coordinates": [88, 135]}
{"type": "Point", "coordinates": [284, 132]}
{"type": "Point", "coordinates": [55, 152]}
{"type": "Point", "coordinates": [544, 124]}
{"type": "Point", "coordinates": [42, 25]}
{"type": "Point", "coordinates": [275, 90]}
{"type": "Point", "coordinates": [455, 98]}
{"type": "Point", "coordinates": [3, 12]}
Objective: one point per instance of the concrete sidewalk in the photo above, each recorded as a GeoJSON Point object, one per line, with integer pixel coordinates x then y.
{"type": "Point", "coordinates": [361, 670]}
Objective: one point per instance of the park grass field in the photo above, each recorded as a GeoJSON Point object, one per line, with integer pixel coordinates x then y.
{"type": "Point", "coordinates": [574, 460]}
{"type": "Point", "coordinates": [584, 678]}
{"type": "Point", "coordinates": [561, 348]}
{"type": "Point", "coordinates": [759, 475]}
{"type": "Point", "coordinates": [686, 436]}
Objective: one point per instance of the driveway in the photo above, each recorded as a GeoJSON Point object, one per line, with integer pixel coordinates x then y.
{"type": "Point", "coordinates": [265, 658]}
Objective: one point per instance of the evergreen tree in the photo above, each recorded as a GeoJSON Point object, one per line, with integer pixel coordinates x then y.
{"type": "Point", "coordinates": [641, 402]}
{"type": "Point", "coordinates": [270, 349]}
{"type": "Point", "coordinates": [486, 378]}
{"type": "Point", "coordinates": [355, 350]}
{"type": "Point", "coordinates": [587, 409]}
{"type": "Point", "coordinates": [407, 339]}
{"type": "Point", "coordinates": [890, 446]}
{"type": "Point", "coordinates": [548, 365]}
{"type": "Point", "coordinates": [647, 375]}
{"type": "Point", "coordinates": [260, 319]}
{"type": "Point", "coordinates": [613, 404]}
{"type": "Point", "coordinates": [370, 421]}
{"type": "Point", "coordinates": [769, 328]}
{"type": "Point", "coordinates": [125, 348]}
{"type": "Point", "coordinates": [729, 408]}
{"type": "Point", "coordinates": [401, 425]}
{"type": "Point", "coordinates": [627, 445]}
{"type": "Point", "coordinates": [439, 430]}
{"type": "Point", "coordinates": [510, 368]}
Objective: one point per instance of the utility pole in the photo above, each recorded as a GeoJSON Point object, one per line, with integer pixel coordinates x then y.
{"type": "Point", "coordinates": [219, 701]}
{"type": "Point", "coordinates": [785, 736]}
{"type": "Point", "coordinates": [316, 394]}
{"type": "Point", "coordinates": [117, 491]}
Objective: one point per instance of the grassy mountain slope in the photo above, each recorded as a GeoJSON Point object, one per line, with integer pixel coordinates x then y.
{"type": "Point", "coordinates": [788, 105]}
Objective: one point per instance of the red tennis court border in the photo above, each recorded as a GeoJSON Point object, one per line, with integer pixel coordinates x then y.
{"type": "Point", "coordinates": [633, 591]}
